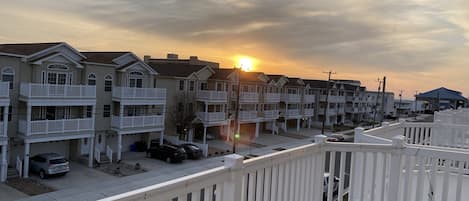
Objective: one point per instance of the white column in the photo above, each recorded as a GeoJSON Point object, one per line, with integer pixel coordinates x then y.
{"type": "Point", "coordinates": [205, 135]}
{"type": "Point", "coordinates": [26, 160]}
{"type": "Point", "coordinates": [119, 146]}
{"type": "Point", "coordinates": [149, 140]}
{"type": "Point", "coordinates": [273, 127]}
{"type": "Point", "coordinates": [309, 122]}
{"type": "Point", "coordinates": [161, 137]}
{"type": "Point", "coordinates": [228, 130]}
{"type": "Point", "coordinates": [4, 166]}
{"type": "Point", "coordinates": [232, 187]}
{"type": "Point", "coordinates": [257, 129]}
{"type": "Point", "coordinates": [285, 125]}
{"type": "Point", "coordinates": [91, 152]}
{"type": "Point", "coordinates": [5, 121]}
{"type": "Point", "coordinates": [298, 121]}
{"type": "Point", "coordinates": [121, 116]}
{"type": "Point", "coordinates": [28, 119]}
{"type": "Point", "coordinates": [395, 169]}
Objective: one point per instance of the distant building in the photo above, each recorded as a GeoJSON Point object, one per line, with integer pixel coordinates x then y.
{"type": "Point", "coordinates": [443, 98]}
{"type": "Point", "coordinates": [374, 102]}
{"type": "Point", "coordinates": [409, 106]}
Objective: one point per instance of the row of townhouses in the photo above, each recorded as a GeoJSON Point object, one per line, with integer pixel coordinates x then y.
{"type": "Point", "coordinates": [55, 98]}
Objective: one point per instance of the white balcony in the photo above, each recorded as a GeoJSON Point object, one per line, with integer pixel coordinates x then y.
{"type": "Point", "coordinates": [212, 96]}
{"type": "Point", "coordinates": [308, 112]}
{"type": "Point", "coordinates": [4, 93]}
{"type": "Point", "coordinates": [46, 127]}
{"type": "Point", "coordinates": [270, 114]}
{"type": "Point", "coordinates": [52, 94]}
{"type": "Point", "coordinates": [211, 118]}
{"type": "Point", "coordinates": [271, 97]}
{"type": "Point", "coordinates": [333, 99]}
{"type": "Point", "coordinates": [249, 97]}
{"type": "Point", "coordinates": [135, 123]}
{"type": "Point", "coordinates": [308, 98]}
{"type": "Point", "coordinates": [330, 111]}
{"type": "Point", "coordinates": [291, 98]}
{"type": "Point", "coordinates": [2, 134]}
{"type": "Point", "coordinates": [291, 113]}
{"type": "Point", "coordinates": [136, 96]}
{"type": "Point", "coordinates": [248, 116]}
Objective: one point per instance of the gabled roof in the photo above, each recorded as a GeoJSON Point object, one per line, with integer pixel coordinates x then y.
{"type": "Point", "coordinates": [222, 73]}
{"type": "Point", "coordinates": [103, 57]}
{"type": "Point", "coordinates": [276, 77]}
{"type": "Point", "coordinates": [175, 69]}
{"type": "Point", "coordinates": [442, 93]}
{"type": "Point", "coordinates": [318, 83]}
{"type": "Point", "coordinates": [26, 48]}
{"type": "Point", "coordinates": [251, 76]}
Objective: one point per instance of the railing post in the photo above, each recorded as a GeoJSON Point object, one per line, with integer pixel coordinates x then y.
{"type": "Point", "coordinates": [232, 187]}
{"type": "Point", "coordinates": [359, 131]}
{"type": "Point", "coordinates": [395, 167]}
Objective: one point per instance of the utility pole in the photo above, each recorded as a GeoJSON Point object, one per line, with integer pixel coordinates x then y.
{"type": "Point", "coordinates": [236, 135]}
{"type": "Point", "coordinates": [415, 103]}
{"type": "Point", "coordinates": [383, 100]}
{"type": "Point", "coordinates": [375, 108]}
{"type": "Point", "coordinates": [400, 101]}
{"type": "Point", "coordinates": [327, 100]}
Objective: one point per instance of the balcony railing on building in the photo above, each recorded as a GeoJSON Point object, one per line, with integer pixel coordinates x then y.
{"type": "Point", "coordinates": [2, 134]}
{"type": "Point", "coordinates": [291, 98]}
{"type": "Point", "coordinates": [212, 96]}
{"type": "Point", "coordinates": [38, 90]}
{"type": "Point", "coordinates": [129, 122]}
{"type": "Point", "coordinates": [40, 127]}
{"type": "Point", "coordinates": [139, 93]}
{"type": "Point", "coordinates": [271, 97]}
{"type": "Point", "coordinates": [249, 97]}
{"type": "Point", "coordinates": [248, 115]}
{"type": "Point", "coordinates": [211, 116]}
{"type": "Point", "coordinates": [291, 113]}
{"type": "Point", "coordinates": [309, 98]}
{"type": "Point", "coordinates": [333, 99]}
{"type": "Point", "coordinates": [308, 112]}
{"type": "Point", "coordinates": [4, 90]}
{"type": "Point", "coordinates": [270, 114]}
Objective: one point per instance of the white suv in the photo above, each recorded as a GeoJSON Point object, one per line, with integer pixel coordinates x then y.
{"type": "Point", "coordinates": [49, 164]}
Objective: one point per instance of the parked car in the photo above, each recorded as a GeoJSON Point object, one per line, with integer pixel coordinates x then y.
{"type": "Point", "coordinates": [192, 151]}
{"type": "Point", "coordinates": [168, 153]}
{"type": "Point", "coordinates": [49, 164]}
{"type": "Point", "coordinates": [336, 138]}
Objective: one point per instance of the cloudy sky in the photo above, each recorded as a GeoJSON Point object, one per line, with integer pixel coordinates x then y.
{"type": "Point", "coordinates": [417, 44]}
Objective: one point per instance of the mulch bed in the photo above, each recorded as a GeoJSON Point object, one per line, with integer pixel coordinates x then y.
{"type": "Point", "coordinates": [29, 186]}
{"type": "Point", "coordinates": [120, 169]}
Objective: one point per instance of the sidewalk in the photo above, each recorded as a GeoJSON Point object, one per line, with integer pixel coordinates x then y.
{"type": "Point", "coordinates": [8, 193]}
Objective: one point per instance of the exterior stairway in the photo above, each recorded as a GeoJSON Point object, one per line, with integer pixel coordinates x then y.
{"type": "Point", "coordinates": [12, 173]}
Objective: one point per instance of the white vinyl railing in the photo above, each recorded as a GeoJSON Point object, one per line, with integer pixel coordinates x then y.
{"type": "Point", "coordinates": [309, 98]}
{"type": "Point", "coordinates": [139, 93]}
{"type": "Point", "coordinates": [308, 112]}
{"type": "Point", "coordinates": [209, 95]}
{"type": "Point", "coordinates": [137, 121]}
{"type": "Point", "coordinates": [248, 115]}
{"type": "Point", "coordinates": [271, 114]}
{"type": "Point", "coordinates": [271, 97]}
{"type": "Point", "coordinates": [249, 97]}
{"type": "Point", "coordinates": [291, 98]}
{"type": "Point", "coordinates": [38, 90]}
{"type": "Point", "coordinates": [333, 99]}
{"type": "Point", "coordinates": [291, 112]}
{"type": "Point", "coordinates": [109, 153]}
{"type": "Point", "coordinates": [365, 172]}
{"type": "Point", "coordinates": [4, 89]}
{"type": "Point", "coordinates": [211, 116]}
{"type": "Point", "coordinates": [55, 126]}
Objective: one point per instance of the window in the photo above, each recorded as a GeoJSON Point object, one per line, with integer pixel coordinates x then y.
{"type": "Point", "coordinates": [107, 111]}
{"type": "Point", "coordinates": [180, 107]}
{"type": "Point", "coordinates": [56, 78]}
{"type": "Point", "coordinates": [203, 86]}
{"type": "Point", "coordinates": [191, 108]}
{"type": "Point", "coordinates": [10, 111]}
{"type": "Point", "coordinates": [108, 83]}
{"type": "Point", "coordinates": [191, 85]}
{"type": "Point", "coordinates": [136, 79]}
{"type": "Point", "coordinates": [181, 85]}
{"type": "Point", "coordinates": [92, 79]}
{"type": "Point", "coordinates": [8, 75]}
{"type": "Point", "coordinates": [89, 111]}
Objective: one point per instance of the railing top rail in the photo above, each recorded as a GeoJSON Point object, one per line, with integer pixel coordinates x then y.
{"type": "Point", "coordinates": [438, 152]}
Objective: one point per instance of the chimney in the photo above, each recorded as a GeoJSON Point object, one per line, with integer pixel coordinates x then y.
{"type": "Point", "coordinates": [193, 58]}
{"type": "Point", "coordinates": [146, 58]}
{"type": "Point", "coordinates": [172, 56]}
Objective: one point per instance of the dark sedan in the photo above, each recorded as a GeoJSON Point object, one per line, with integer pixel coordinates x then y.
{"type": "Point", "coordinates": [192, 151]}
{"type": "Point", "coordinates": [168, 153]}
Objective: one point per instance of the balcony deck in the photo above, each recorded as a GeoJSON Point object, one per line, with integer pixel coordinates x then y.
{"type": "Point", "coordinates": [139, 96]}
{"type": "Point", "coordinates": [271, 97]}
{"type": "Point", "coordinates": [248, 116]}
{"type": "Point", "coordinates": [39, 94]}
{"type": "Point", "coordinates": [249, 97]}
{"type": "Point", "coordinates": [308, 112]}
{"type": "Point", "coordinates": [137, 124]}
{"type": "Point", "coordinates": [291, 113]}
{"type": "Point", "coordinates": [309, 98]}
{"type": "Point", "coordinates": [212, 118]}
{"type": "Point", "coordinates": [270, 114]}
{"type": "Point", "coordinates": [291, 98]}
{"type": "Point", "coordinates": [333, 99]}
{"type": "Point", "coordinates": [63, 129]}
{"type": "Point", "coordinates": [212, 96]}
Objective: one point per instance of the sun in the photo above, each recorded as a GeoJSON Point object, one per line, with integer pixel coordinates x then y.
{"type": "Point", "coordinates": [245, 63]}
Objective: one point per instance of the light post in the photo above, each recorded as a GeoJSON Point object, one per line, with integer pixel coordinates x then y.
{"type": "Point", "coordinates": [236, 135]}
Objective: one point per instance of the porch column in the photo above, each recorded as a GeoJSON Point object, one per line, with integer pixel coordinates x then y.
{"type": "Point", "coordinates": [119, 146]}
{"type": "Point", "coordinates": [5, 121]}
{"type": "Point", "coordinates": [4, 166]}
{"type": "Point", "coordinates": [285, 125]}
{"type": "Point", "coordinates": [228, 131]}
{"type": "Point", "coordinates": [309, 122]}
{"type": "Point", "coordinates": [273, 127]}
{"type": "Point", "coordinates": [257, 129]}
{"type": "Point", "coordinates": [161, 137]}
{"type": "Point", "coordinates": [298, 121]}
{"type": "Point", "coordinates": [28, 119]}
{"type": "Point", "coordinates": [149, 140]}
{"type": "Point", "coordinates": [121, 116]}
{"type": "Point", "coordinates": [205, 135]}
{"type": "Point", "coordinates": [93, 114]}
{"type": "Point", "coordinates": [191, 135]}
{"type": "Point", "coordinates": [91, 152]}
{"type": "Point", "coordinates": [26, 160]}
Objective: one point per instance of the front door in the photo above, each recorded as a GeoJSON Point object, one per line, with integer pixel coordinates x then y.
{"type": "Point", "coordinates": [99, 142]}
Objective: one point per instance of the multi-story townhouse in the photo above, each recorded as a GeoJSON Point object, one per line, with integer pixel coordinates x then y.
{"type": "Point", "coordinates": [64, 101]}
{"type": "Point", "coordinates": [130, 107]}
{"type": "Point", "coordinates": [291, 104]}
{"type": "Point", "coordinates": [7, 77]}
{"type": "Point", "coordinates": [355, 103]}
{"type": "Point", "coordinates": [335, 113]}
{"type": "Point", "coordinates": [308, 105]}
{"type": "Point", "coordinates": [190, 95]}
{"type": "Point", "coordinates": [374, 104]}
